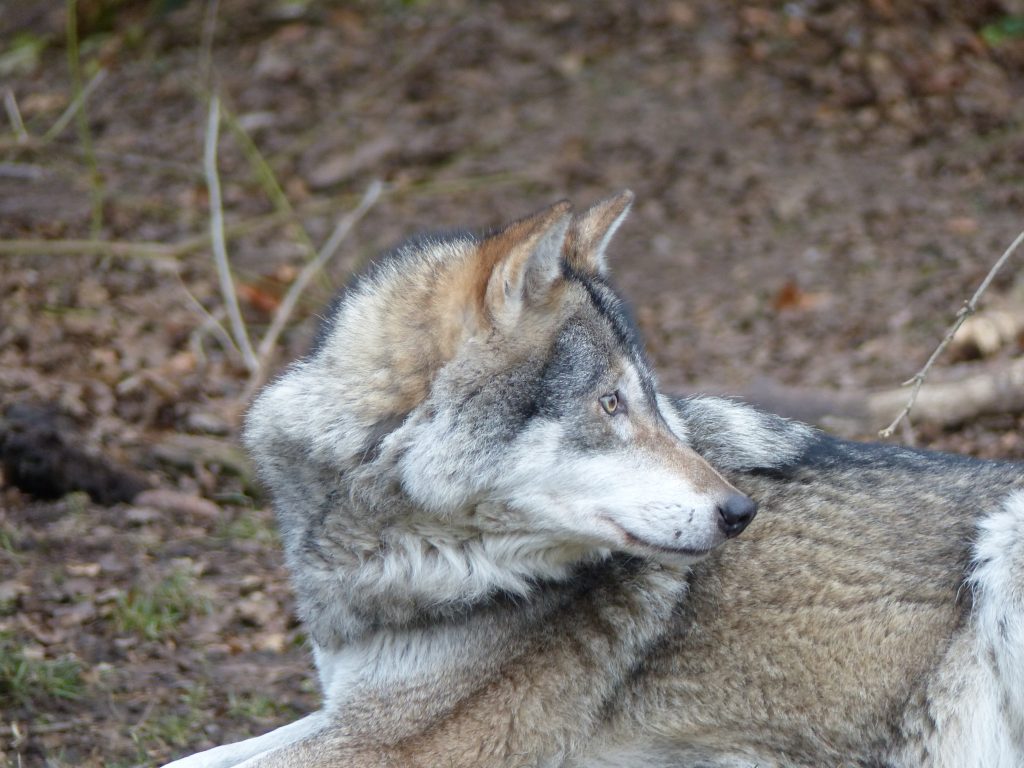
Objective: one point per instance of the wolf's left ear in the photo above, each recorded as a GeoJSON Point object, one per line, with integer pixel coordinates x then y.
{"type": "Point", "coordinates": [526, 257]}
{"type": "Point", "coordinates": [592, 230]}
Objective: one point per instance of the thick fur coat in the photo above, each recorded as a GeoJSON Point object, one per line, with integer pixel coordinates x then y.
{"type": "Point", "coordinates": [511, 550]}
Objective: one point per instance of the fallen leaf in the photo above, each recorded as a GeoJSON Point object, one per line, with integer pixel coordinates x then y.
{"type": "Point", "coordinates": [790, 297]}
{"type": "Point", "coordinates": [258, 298]}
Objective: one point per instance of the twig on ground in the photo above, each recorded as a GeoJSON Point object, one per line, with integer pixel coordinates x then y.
{"type": "Point", "coordinates": [265, 175]}
{"type": "Point", "coordinates": [82, 120]}
{"type": "Point", "coordinates": [966, 311]}
{"type": "Point", "coordinates": [220, 252]}
{"type": "Point", "coordinates": [73, 108]}
{"type": "Point", "coordinates": [263, 172]}
{"type": "Point", "coordinates": [37, 729]}
{"type": "Point", "coordinates": [14, 115]}
{"type": "Point", "coordinates": [144, 717]}
{"type": "Point", "coordinates": [298, 286]}
{"type": "Point", "coordinates": [206, 44]}
{"type": "Point", "coordinates": [22, 171]}
{"type": "Point", "coordinates": [157, 251]}
{"type": "Point", "coordinates": [210, 323]}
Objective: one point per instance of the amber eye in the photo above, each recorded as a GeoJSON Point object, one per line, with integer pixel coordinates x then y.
{"type": "Point", "coordinates": [610, 403]}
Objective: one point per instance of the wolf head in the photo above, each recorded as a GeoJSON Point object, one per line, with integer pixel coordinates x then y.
{"type": "Point", "coordinates": [485, 402]}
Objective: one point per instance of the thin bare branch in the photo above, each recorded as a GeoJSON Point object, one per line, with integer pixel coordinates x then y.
{"type": "Point", "coordinates": [210, 322]}
{"type": "Point", "coordinates": [326, 253]}
{"type": "Point", "coordinates": [264, 173]}
{"type": "Point", "coordinates": [14, 115]}
{"type": "Point", "coordinates": [968, 309]}
{"type": "Point", "coordinates": [72, 109]}
{"type": "Point", "coordinates": [143, 250]}
{"type": "Point", "coordinates": [92, 247]}
{"type": "Point", "coordinates": [97, 192]}
{"type": "Point", "coordinates": [218, 240]}
{"type": "Point", "coordinates": [37, 729]}
{"type": "Point", "coordinates": [206, 43]}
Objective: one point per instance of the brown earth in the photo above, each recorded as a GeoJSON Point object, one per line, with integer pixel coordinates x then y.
{"type": "Point", "coordinates": [818, 188]}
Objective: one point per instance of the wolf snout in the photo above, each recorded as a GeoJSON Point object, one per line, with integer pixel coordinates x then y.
{"type": "Point", "coordinates": [735, 514]}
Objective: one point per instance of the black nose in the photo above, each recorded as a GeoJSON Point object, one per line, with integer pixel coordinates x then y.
{"type": "Point", "coordinates": [735, 514]}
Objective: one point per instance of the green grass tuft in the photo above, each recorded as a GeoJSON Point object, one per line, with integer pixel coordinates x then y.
{"type": "Point", "coordinates": [1005, 30]}
{"type": "Point", "coordinates": [256, 706]}
{"type": "Point", "coordinates": [26, 681]}
{"type": "Point", "coordinates": [248, 526]}
{"type": "Point", "coordinates": [156, 611]}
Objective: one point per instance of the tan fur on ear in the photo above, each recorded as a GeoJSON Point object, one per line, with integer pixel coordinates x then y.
{"type": "Point", "coordinates": [521, 263]}
{"type": "Point", "coordinates": [591, 231]}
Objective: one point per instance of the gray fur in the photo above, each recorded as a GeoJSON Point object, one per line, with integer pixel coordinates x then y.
{"type": "Point", "coordinates": [737, 437]}
{"type": "Point", "coordinates": [429, 471]}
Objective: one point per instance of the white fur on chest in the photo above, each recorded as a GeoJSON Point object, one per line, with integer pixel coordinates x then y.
{"type": "Point", "coordinates": [394, 660]}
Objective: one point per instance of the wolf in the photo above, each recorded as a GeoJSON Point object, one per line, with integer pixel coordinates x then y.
{"type": "Point", "coordinates": [510, 549]}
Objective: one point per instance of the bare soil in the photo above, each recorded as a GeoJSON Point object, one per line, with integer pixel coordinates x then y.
{"type": "Point", "coordinates": [818, 188]}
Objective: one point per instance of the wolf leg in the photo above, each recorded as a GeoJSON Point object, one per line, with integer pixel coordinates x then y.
{"type": "Point", "coordinates": [998, 582]}
{"type": "Point", "coordinates": [235, 754]}
{"type": "Point", "coordinates": [975, 706]}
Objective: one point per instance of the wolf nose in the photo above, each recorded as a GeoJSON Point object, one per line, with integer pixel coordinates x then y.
{"type": "Point", "coordinates": [735, 514]}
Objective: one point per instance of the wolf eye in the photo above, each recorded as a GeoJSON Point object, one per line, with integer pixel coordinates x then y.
{"type": "Point", "coordinates": [611, 403]}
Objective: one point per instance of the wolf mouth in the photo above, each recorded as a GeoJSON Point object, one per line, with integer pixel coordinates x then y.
{"type": "Point", "coordinates": [632, 538]}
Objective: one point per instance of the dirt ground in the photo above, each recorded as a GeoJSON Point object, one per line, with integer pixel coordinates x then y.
{"type": "Point", "coordinates": [819, 187]}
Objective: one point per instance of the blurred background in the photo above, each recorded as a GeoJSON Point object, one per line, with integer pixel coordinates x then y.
{"type": "Point", "coordinates": [820, 185]}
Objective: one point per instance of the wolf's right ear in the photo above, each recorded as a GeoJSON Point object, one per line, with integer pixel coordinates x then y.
{"type": "Point", "coordinates": [592, 231]}
{"type": "Point", "coordinates": [524, 261]}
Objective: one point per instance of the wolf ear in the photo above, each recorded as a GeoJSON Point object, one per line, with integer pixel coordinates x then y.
{"type": "Point", "coordinates": [527, 260]}
{"type": "Point", "coordinates": [591, 231]}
